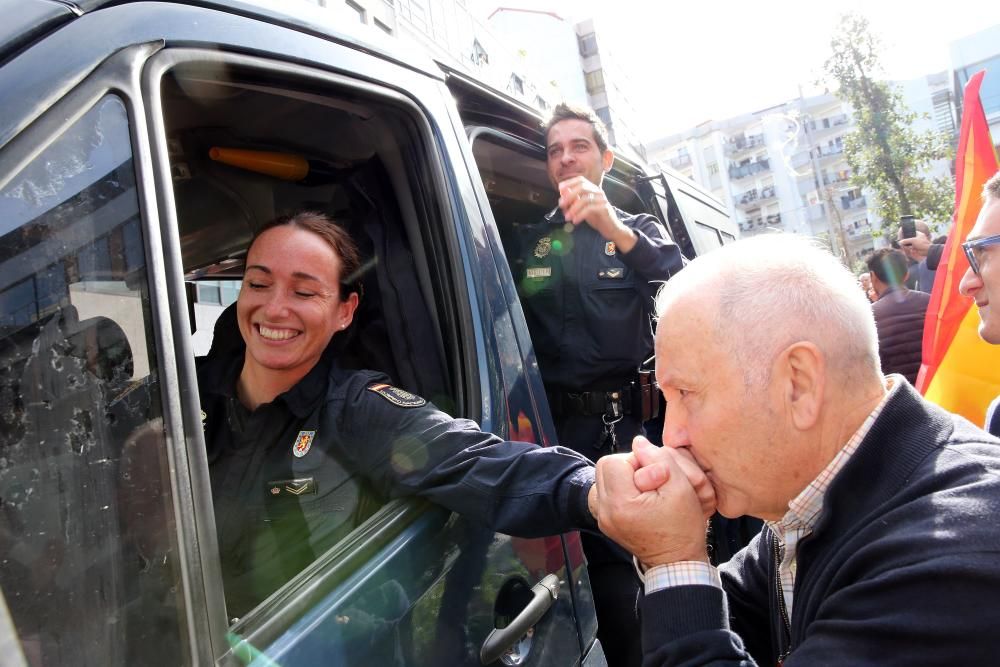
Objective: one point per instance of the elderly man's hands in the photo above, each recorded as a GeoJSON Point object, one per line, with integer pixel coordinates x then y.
{"type": "Point", "coordinates": [654, 502]}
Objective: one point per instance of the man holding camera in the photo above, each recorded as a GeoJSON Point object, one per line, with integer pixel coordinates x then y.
{"type": "Point", "coordinates": [915, 241]}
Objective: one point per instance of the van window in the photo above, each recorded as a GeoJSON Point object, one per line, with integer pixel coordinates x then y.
{"type": "Point", "coordinates": [367, 167]}
{"type": "Point", "coordinates": [88, 554]}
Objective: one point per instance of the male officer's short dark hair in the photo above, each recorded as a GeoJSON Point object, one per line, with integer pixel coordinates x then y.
{"type": "Point", "coordinates": [888, 265]}
{"type": "Point", "coordinates": [563, 111]}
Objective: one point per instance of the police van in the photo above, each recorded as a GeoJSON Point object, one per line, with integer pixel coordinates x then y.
{"type": "Point", "coordinates": [141, 145]}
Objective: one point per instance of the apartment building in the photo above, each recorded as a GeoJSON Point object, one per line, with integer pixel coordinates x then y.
{"type": "Point", "coordinates": [781, 168]}
{"type": "Point", "coordinates": [979, 51]}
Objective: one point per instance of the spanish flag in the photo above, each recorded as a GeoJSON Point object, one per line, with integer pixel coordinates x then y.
{"type": "Point", "coordinates": [960, 372]}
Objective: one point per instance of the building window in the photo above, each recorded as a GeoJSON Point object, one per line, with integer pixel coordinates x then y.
{"type": "Point", "coordinates": [362, 14]}
{"type": "Point", "coordinates": [541, 104]}
{"type": "Point", "coordinates": [479, 55]}
{"type": "Point", "coordinates": [516, 85]}
{"type": "Point", "coordinates": [588, 44]}
{"type": "Point", "coordinates": [594, 81]}
{"type": "Point", "coordinates": [713, 169]}
{"type": "Point", "coordinates": [604, 113]}
{"type": "Point", "coordinates": [383, 27]}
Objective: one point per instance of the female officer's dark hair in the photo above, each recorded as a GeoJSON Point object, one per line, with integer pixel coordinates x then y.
{"type": "Point", "coordinates": [335, 236]}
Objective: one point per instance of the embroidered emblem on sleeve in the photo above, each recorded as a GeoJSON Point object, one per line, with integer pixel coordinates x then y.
{"type": "Point", "coordinates": [397, 396]}
{"type": "Point", "coordinates": [609, 248]}
{"type": "Point", "coordinates": [303, 443]}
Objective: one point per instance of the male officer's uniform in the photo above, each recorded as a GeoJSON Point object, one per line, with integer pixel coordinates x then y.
{"type": "Point", "coordinates": [589, 307]}
{"type": "Point", "coordinates": [294, 476]}
{"type": "Point", "coordinates": [589, 310]}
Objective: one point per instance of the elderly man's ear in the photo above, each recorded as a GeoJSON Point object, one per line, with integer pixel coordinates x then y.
{"type": "Point", "coordinates": [800, 375]}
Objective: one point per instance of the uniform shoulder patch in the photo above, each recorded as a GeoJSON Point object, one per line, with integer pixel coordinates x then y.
{"type": "Point", "coordinates": [397, 396]}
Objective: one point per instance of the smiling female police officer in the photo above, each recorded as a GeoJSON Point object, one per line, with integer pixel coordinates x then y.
{"type": "Point", "coordinates": [301, 450]}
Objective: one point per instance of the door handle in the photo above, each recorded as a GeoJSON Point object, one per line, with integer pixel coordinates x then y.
{"type": "Point", "coordinates": [543, 594]}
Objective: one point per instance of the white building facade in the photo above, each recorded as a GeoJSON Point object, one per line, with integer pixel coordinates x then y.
{"type": "Point", "coordinates": [781, 168]}
{"type": "Point", "coordinates": [973, 54]}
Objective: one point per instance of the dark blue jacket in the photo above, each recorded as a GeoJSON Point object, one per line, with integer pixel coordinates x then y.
{"type": "Point", "coordinates": [899, 318]}
{"type": "Point", "coordinates": [902, 569]}
{"type": "Point", "coordinates": [296, 475]}
{"type": "Point", "coordinates": [587, 304]}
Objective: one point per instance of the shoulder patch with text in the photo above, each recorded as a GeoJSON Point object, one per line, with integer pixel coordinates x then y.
{"type": "Point", "coordinates": [397, 396]}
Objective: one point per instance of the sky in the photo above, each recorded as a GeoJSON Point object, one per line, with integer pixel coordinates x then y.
{"type": "Point", "coordinates": [712, 59]}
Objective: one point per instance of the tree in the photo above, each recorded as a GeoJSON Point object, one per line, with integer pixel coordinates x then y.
{"type": "Point", "coordinates": [886, 156]}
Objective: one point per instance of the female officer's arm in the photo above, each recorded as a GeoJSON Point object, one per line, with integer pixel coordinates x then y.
{"type": "Point", "coordinates": [405, 446]}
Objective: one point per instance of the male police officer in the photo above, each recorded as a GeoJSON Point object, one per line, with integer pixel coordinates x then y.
{"type": "Point", "coordinates": [587, 276]}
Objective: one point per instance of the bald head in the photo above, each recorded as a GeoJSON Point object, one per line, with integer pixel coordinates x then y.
{"type": "Point", "coordinates": [769, 291]}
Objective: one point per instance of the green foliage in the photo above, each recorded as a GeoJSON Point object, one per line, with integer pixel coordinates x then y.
{"type": "Point", "coordinates": [885, 154]}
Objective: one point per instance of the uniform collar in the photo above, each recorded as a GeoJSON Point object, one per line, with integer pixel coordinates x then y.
{"type": "Point", "coordinates": [301, 400]}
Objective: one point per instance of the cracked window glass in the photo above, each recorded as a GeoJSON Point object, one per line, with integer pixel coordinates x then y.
{"type": "Point", "coordinates": [88, 567]}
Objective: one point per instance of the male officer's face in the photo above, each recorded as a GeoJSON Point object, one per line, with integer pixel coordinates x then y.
{"type": "Point", "coordinates": [289, 306]}
{"type": "Point", "coordinates": [572, 151]}
{"type": "Point", "coordinates": [733, 435]}
{"type": "Point", "coordinates": [985, 287]}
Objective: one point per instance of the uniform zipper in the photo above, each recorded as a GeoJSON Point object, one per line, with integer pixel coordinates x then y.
{"type": "Point", "coordinates": [781, 601]}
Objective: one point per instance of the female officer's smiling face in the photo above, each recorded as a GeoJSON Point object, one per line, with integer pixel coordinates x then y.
{"type": "Point", "coordinates": [289, 306]}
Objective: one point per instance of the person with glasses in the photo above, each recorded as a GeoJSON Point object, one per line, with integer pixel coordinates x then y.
{"type": "Point", "coordinates": [981, 281]}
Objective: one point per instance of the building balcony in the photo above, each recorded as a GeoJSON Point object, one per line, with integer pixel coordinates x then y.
{"type": "Point", "coordinates": [826, 152]}
{"type": "Point", "coordinates": [737, 172]}
{"type": "Point", "coordinates": [772, 220]}
{"type": "Point", "coordinates": [852, 204]}
{"type": "Point", "coordinates": [751, 198]}
{"type": "Point", "coordinates": [822, 126]}
{"type": "Point", "coordinates": [741, 143]}
{"type": "Point", "coordinates": [768, 192]}
{"type": "Point", "coordinates": [680, 161]}
{"type": "Point", "coordinates": [836, 180]}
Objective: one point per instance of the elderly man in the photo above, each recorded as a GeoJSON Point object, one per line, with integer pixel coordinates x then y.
{"type": "Point", "coordinates": [881, 545]}
{"type": "Point", "coordinates": [982, 279]}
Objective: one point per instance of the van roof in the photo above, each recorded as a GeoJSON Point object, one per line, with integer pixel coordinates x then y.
{"type": "Point", "coordinates": [35, 18]}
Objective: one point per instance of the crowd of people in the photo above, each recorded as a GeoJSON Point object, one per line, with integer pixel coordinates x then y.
{"type": "Point", "coordinates": [879, 545]}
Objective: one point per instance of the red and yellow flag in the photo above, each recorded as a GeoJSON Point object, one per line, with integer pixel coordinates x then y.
{"type": "Point", "coordinates": [960, 372]}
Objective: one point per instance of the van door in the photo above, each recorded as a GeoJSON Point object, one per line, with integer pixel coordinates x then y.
{"type": "Point", "coordinates": [113, 500]}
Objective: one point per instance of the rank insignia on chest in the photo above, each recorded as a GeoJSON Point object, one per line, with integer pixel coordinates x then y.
{"type": "Point", "coordinates": [397, 396]}
{"type": "Point", "coordinates": [543, 247]}
{"type": "Point", "coordinates": [304, 486]}
{"type": "Point", "coordinates": [611, 274]}
{"type": "Point", "coordinates": [303, 443]}
{"type": "Point", "coordinates": [539, 272]}
{"type": "Point", "coordinates": [609, 248]}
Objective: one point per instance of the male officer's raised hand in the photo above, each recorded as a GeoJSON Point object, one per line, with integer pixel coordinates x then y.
{"type": "Point", "coordinates": [583, 201]}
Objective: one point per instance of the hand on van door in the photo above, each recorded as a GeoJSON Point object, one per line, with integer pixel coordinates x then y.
{"type": "Point", "coordinates": [583, 201]}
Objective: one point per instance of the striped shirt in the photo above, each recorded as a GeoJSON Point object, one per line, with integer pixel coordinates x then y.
{"type": "Point", "coordinates": [798, 522]}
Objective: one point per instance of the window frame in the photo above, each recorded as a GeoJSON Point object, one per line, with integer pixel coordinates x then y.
{"type": "Point", "coordinates": [270, 619]}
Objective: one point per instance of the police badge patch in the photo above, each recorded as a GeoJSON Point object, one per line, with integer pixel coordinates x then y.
{"type": "Point", "coordinates": [303, 442]}
{"type": "Point", "coordinates": [543, 247]}
{"type": "Point", "coordinates": [397, 396]}
{"type": "Point", "coordinates": [609, 248]}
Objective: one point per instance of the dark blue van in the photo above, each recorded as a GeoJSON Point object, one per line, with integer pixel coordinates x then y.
{"type": "Point", "coordinates": [123, 216]}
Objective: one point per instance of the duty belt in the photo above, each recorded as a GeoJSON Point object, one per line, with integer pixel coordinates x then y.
{"type": "Point", "coordinates": [638, 398]}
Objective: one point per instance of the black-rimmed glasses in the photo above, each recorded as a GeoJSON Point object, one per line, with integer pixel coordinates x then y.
{"type": "Point", "coordinates": [973, 250]}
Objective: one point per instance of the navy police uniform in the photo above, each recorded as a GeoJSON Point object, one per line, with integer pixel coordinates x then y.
{"type": "Point", "coordinates": [294, 476]}
{"type": "Point", "coordinates": [589, 309]}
